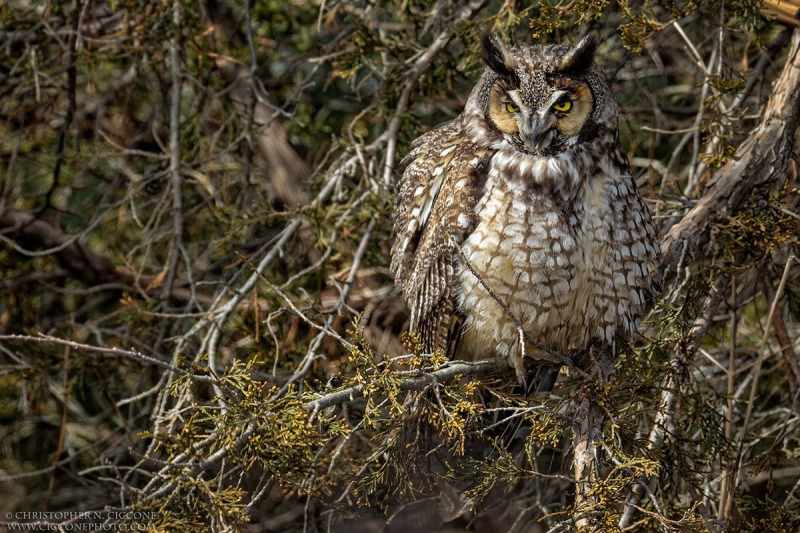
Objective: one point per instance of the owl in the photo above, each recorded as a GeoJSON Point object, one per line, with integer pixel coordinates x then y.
{"type": "Point", "coordinates": [522, 213]}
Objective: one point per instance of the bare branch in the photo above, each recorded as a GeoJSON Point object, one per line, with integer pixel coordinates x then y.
{"type": "Point", "coordinates": [176, 179]}
{"type": "Point", "coordinates": [113, 350]}
{"type": "Point", "coordinates": [762, 161]}
{"type": "Point", "coordinates": [449, 370]}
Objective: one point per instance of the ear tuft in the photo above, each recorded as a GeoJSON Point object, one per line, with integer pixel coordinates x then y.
{"type": "Point", "coordinates": [580, 58]}
{"type": "Point", "coordinates": [498, 58]}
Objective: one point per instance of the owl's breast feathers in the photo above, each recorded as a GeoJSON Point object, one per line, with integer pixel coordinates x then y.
{"type": "Point", "coordinates": [565, 242]}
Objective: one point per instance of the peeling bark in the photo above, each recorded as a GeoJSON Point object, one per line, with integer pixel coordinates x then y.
{"type": "Point", "coordinates": [587, 433]}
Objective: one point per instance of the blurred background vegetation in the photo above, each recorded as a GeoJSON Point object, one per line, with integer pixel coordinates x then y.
{"type": "Point", "coordinates": [195, 223]}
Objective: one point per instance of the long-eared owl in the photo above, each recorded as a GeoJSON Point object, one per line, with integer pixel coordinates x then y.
{"type": "Point", "coordinates": [531, 183]}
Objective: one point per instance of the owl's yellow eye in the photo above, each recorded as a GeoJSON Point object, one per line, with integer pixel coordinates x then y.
{"type": "Point", "coordinates": [563, 107]}
{"type": "Point", "coordinates": [511, 108]}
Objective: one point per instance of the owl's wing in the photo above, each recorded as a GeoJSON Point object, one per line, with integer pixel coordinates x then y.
{"type": "Point", "coordinates": [636, 248]}
{"type": "Point", "coordinates": [444, 173]}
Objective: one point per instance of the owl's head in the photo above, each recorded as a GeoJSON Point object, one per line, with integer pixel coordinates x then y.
{"type": "Point", "coordinates": [543, 99]}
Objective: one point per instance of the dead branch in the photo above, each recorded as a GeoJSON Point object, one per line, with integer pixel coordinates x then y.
{"type": "Point", "coordinates": [76, 258]}
{"type": "Point", "coordinates": [29, 235]}
{"type": "Point", "coordinates": [762, 162]}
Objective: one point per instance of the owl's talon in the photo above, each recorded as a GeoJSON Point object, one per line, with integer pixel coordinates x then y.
{"type": "Point", "coordinates": [519, 369]}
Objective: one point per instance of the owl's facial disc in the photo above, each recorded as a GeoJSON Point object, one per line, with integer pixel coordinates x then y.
{"type": "Point", "coordinates": [543, 124]}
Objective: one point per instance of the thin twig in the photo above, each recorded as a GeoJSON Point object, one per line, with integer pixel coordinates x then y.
{"type": "Point", "coordinates": [131, 354]}
{"type": "Point", "coordinates": [763, 355]}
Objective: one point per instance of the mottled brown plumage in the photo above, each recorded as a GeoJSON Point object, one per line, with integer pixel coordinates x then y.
{"type": "Point", "coordinates": [531, 183]}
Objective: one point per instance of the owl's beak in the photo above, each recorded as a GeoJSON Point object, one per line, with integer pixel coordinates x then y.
{"type": "Point", "coordinates": [541, 131]}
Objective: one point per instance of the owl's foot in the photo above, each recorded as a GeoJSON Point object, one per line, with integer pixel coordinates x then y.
{"type": "Point", "coordinates": [517, 362]}
{"type": "Point", "coordinates": [543, 368]}
{"type": "Point", "coordinates": [538, 379]}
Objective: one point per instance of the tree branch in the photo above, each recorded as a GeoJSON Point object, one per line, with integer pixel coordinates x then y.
{"type": "Point", "coordinates": [450, 370]}
{"type": "Point", "coordinates": [24, 232]}
{"type": "Point", "coordinates": [664, 424]}
{"type": "Point", "coordinates": [77, 259]}
{"type": "Point", "coordinates": [176, 178]}
{"type": "Point", "coordinates": [762, 161]}
{"type": "Point", "coordinates": [417, 382]}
